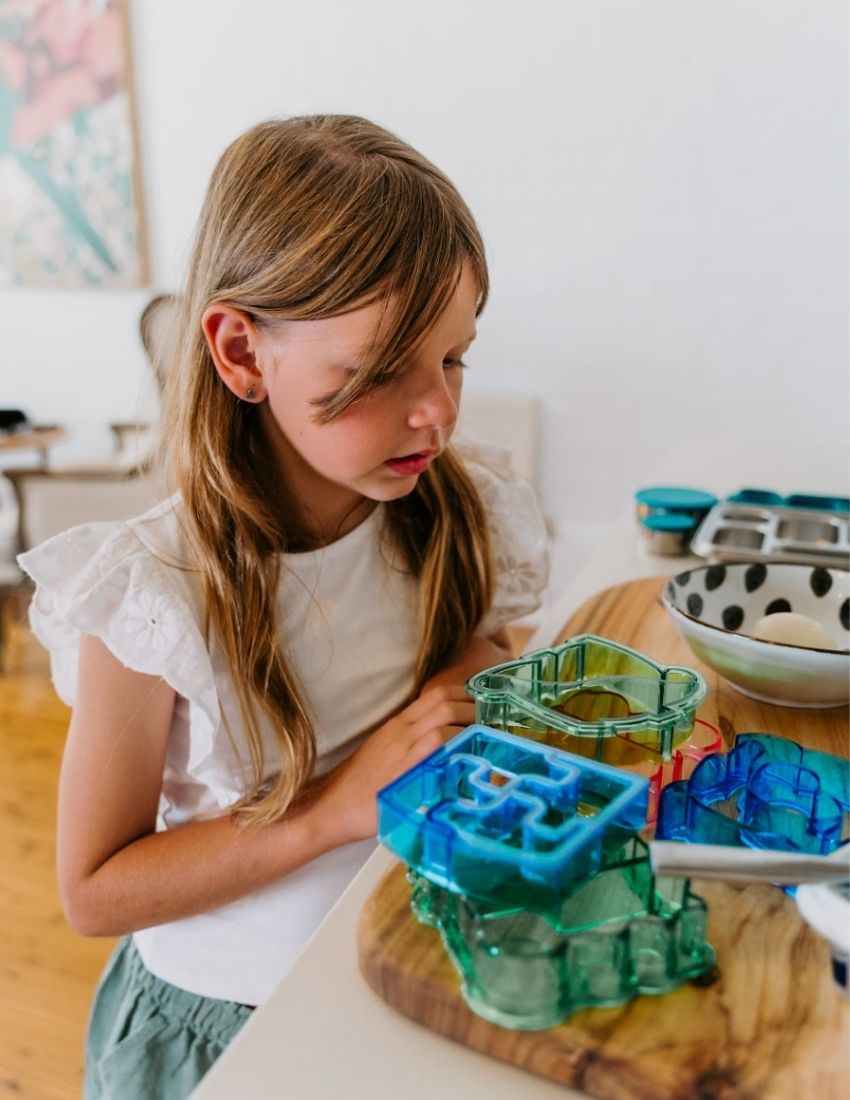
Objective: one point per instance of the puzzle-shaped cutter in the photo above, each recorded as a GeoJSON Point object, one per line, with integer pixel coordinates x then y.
{"type": "Point", "coordinates": [767, 792]}
{"type": "Point", "coordinates": [622, 933]}
{"type": "Point", "coordinates": [592, 697]}
{"type": "Point", "coordinates": [496, 816]}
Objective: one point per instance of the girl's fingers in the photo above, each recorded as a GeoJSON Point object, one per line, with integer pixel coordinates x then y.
{"type": "Point", "coordinates": [423, 726]}
{"type": "Point", "coordinates": [454, 693]}
{"type": "Point", "coordinates": [453, 714]}
{"type": "Point", "coordinates": [423, 746]}
{"type": "Point", "coordinates": [429, 742]}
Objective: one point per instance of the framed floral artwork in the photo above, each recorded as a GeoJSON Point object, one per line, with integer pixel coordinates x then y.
{"type": "Point", "coordinates": [70, 204]}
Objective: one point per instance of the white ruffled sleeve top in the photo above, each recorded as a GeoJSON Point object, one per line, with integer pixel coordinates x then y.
{"type": "Point", "coordinates": [348, 627]}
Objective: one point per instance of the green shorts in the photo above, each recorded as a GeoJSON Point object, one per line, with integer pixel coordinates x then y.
{"type": "Point", "coordinates": [149, 1040]}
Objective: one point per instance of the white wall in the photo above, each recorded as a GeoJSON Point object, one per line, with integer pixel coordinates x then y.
{"type": "Point", "coordinates": [662, 186]}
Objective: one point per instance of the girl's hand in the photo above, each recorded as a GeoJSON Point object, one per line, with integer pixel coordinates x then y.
{"type": "Point", "coordinates": [345, 810]}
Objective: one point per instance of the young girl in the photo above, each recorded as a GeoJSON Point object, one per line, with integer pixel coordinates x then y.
{"type": "Point", "coordinates": [251, 661]}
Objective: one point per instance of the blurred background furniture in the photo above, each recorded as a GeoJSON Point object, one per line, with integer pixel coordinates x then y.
{"type": "Point", "coordinates": [158, 323]}
{"type": "Point", "coordinates": [38, 501]}
{"type": "Point", "coordinates": [34, 437]}
{"type": "Point", "coordinates": [134, 443]}
{"type": "Point", "coordinates": [126, 433]}
{"type": "Point", "coordinates": [49, 501]}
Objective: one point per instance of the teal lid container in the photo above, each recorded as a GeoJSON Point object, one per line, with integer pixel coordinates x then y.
{"type": "Point", "coordinates": [668, 521]}
{"type": "Point", "coordinates": [669, 514]}
{"type": "Point", "coordinates": [668, 498]}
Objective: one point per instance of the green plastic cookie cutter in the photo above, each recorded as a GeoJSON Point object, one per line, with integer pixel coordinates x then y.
{"type": "Point", "coordinates": [592, 697]}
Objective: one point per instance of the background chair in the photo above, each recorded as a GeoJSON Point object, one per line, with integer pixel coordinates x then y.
{"type": "Point", "coordinates": [49, 501]}
{"type": "Point", "coordinates": [52, 497]}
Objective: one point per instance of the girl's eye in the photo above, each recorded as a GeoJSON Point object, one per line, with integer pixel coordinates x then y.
{"type": "Point", "coordinates": [449, 363]}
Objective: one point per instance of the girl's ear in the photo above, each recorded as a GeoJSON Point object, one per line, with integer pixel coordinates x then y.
{"type": "Point", "coordinates": [232, 340]}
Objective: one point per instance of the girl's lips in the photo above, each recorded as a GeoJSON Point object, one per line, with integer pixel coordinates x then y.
{"type": "Point", "coordinates": [409, 464]}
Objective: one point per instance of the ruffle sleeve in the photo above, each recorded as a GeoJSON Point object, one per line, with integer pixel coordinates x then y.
{"type": "Point", "coordinates": [101, 579]}
{"type": "Point", "coordinates": [517, 530]}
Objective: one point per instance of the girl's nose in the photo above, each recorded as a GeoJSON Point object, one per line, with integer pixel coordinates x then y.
{"type": "Point", "coordinates": [434, 404]}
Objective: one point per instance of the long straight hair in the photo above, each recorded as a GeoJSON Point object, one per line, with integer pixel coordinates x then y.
{"type": "Point", "coordinates": [303, 218]}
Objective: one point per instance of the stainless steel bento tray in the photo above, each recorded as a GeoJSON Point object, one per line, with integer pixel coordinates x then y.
{"type": "Point", "coordinates": [745, 532]}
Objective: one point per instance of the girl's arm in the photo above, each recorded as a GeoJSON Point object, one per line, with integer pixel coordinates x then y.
{"type": "Point", "coordinates": [117, 874]}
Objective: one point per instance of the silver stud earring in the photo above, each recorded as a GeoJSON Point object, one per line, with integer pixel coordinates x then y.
{"type": "Point", "coordinates": [250, 393]}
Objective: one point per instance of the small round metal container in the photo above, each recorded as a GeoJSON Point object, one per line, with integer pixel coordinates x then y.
{"type": "Point", "coordinates": [668, 516]}
{"type": "Point", "coordinates": [667, 533]}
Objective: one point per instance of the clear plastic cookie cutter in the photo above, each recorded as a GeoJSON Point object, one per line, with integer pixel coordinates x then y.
{"type": "Point", "coordinates": [594, 698]}
{"type": "Point", "coordinates": [621, 933]}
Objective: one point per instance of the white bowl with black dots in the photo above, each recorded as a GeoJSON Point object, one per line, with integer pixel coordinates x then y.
{"type": "Point", "coordinates": [714, 607]}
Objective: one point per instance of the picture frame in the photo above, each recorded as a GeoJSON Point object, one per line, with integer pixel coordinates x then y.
{"type": "Point", "coordinates": [70, 193]}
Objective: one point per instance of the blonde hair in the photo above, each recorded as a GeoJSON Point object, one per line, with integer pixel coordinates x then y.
{"type": "Point", "coordinates": [303, 218]}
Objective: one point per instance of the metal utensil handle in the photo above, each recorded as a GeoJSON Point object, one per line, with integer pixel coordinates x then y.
{"type": "Point", "coordinates": [713, 861]}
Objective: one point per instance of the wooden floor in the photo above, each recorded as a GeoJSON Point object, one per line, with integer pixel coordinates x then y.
{"type": "Point", "coordinates": [47, 972]}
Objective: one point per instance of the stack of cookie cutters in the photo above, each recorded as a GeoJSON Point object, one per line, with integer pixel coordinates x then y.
{"type": "Point", "coordinates": [599, 699]}
{"type": "Point", "coordinates": [527, 860]}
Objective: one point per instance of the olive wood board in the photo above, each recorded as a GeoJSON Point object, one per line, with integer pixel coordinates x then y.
{"type": "Point", "coordinates": [768, 1022]}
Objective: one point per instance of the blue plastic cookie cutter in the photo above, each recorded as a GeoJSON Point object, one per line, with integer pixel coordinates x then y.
{"type": "Point", "coordinates": [496, 816]}
{"type": "Point", "coordinates": [767, 792]}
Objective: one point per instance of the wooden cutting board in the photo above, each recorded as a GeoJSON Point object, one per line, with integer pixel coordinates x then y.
{"type": "Point", "coordinates": [768, 1023]}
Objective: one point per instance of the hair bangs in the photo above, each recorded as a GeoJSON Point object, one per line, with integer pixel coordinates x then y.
{"type": "Point", "coordinates": [419, 271]}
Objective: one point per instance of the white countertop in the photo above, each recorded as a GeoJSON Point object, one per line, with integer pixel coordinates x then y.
{"type": "Point", "coordinates": [324, 1034]}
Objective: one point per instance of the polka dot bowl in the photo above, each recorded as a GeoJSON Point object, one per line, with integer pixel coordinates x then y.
{"type": "Point", "coordinates": [714, 606]}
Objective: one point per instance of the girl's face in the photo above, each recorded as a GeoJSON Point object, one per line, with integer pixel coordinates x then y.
{"type": "Point", "coordinates": [376, 449]}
